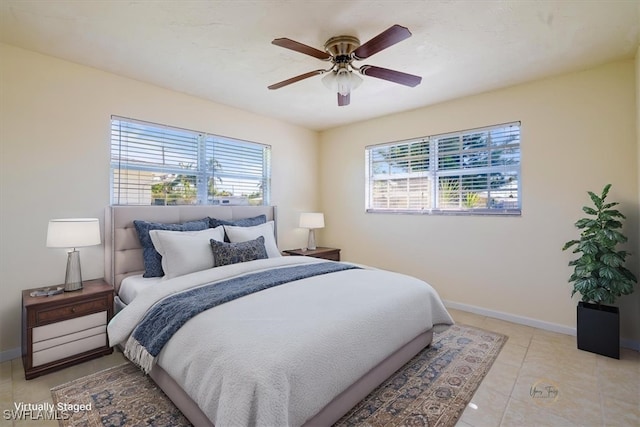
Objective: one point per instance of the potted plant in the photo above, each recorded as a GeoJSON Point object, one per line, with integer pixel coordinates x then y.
{"type": "Point", "coordinates": [600, 276]}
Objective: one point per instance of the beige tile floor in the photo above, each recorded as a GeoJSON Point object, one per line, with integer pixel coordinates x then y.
{"type": "Point", "coordinates": [592, 390]}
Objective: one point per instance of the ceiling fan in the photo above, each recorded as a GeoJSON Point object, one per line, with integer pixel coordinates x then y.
{"type": "Point", "coordinates": [341, 51]}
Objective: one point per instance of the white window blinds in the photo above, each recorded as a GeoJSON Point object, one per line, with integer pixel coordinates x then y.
{"type": "Point", "coordinates": [473, 172]}
{"type": "Point", "coordinates": [162, 165]}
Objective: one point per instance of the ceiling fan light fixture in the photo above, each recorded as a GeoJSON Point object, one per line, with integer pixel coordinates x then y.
{"type": "Point", "coordinates": [329, 81]}
{"type": "Point", "coordinates": [342, 81]}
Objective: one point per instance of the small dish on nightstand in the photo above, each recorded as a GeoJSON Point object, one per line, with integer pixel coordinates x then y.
{"type": "Point", "coordinates": [47, 292]}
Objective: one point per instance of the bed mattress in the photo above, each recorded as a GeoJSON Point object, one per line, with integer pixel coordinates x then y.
{"type": "Point", "coordinates": [132, 286]}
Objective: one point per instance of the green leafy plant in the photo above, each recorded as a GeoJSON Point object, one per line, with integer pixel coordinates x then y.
{"type": "Point", "coordinates": [449, 190]}
{"type": "Point", "coordinates": [471, 200]}
{"type": "Point", "coordinates": [599, 274]}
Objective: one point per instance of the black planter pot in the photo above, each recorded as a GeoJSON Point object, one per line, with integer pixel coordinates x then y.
{"type": "Point", "coordinates": [598, 329]}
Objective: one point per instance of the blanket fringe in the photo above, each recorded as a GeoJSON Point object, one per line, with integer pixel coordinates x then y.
{"type": "Point", "coordinates": [139, 355]}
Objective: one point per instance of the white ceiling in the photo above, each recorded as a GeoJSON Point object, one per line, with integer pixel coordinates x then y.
{"type": "Point", "coordinates": [222, 51]}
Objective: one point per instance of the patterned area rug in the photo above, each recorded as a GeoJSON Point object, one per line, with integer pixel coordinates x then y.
{"type": "Point", "coordinates": [432, 389]}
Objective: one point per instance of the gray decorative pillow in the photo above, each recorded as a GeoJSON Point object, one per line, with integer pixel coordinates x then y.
{"type": "Point", "coordinates": [152, 259]}
{"type": "Point", "coordinates": [232, 253]}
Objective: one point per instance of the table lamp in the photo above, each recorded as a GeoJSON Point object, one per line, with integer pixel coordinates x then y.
{"type": "Point", "coordinates": [312, 220]}
{"type": "Point", "coordinates": [73, 233]}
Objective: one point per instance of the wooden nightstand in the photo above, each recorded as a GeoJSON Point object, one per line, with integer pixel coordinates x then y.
{"type": "Point", "coordinates": [65, 329]}
{"type": "Point", "coordinates": [332, 254]}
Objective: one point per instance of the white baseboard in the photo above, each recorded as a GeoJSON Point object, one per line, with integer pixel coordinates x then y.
{"type": "Point", "coordinates": [13, 353]}
{"type": "Point", "coordinates": [528, 321]}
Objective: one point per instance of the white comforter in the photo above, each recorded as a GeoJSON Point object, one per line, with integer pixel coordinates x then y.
{"type": "Point", "coordinates": [276, 357]}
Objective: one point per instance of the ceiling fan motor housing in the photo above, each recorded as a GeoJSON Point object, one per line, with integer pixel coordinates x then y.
{"type": "Point", "coordinates": [341, 47]}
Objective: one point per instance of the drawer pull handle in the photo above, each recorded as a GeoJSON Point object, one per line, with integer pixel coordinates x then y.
{"type": "Point", "coordinates": [73, 309]}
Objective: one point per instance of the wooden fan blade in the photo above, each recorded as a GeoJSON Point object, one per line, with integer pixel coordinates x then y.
{"type": "Point", "coordinates": [344, 100]}
{"type": "Point", "coordinates": [389, 37]}
{"type": "Point", "coordinates": [296, 79]}
{"type": "Point", "coordinates": [391, 75]}
{"type": "Point", "coordinates": [302, 48]}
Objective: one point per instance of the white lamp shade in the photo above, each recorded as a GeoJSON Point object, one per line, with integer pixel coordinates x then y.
{"type": "Point", "coordinates": [73, 232]}
{"type": "Point", "coordinates": [342, 81]}
{"type": "Point", "coordinates": [312, 220]}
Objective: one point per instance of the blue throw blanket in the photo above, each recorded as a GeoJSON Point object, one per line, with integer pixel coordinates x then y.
{"type": "Point", "coordinates": [165, 318]}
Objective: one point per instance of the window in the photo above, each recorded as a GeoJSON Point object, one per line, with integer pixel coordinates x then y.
{"type": "Point", "coordinates": [162, 165]}
{"type": "Point", "coordinates": [469, 172]}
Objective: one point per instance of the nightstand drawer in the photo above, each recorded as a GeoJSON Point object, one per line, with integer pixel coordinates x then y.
{"type": "Point", "coordinates": [69, 349]}
{"type": "Point", "coordinates": [331, 256]}
{"type": "Point", "coordinates": [70, 311]}
{"type": "Point", "coordinates": [66, 327]}
{"type": "Point", "coordinates": [64, 339]}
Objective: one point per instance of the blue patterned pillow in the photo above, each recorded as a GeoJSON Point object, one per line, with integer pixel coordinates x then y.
{"type": "Point", "coordinates": [152, 259]}
{"type": "Point", "coordinates": [244, 222]}
{"type": "Point", "coordinates": [232, 253]}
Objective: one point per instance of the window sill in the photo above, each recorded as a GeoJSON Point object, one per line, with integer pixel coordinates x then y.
{"type": "Point", "coordinates": [443, 212]}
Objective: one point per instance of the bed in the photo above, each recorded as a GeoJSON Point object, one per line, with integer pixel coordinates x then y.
{"type": "Point", "coordinates": [298, 353]}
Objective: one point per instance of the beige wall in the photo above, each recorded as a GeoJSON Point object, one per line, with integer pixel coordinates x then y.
{"type": "Point", "coordinates": [578, 133]}
{"type": "Point", "coordinates": [54, 162]}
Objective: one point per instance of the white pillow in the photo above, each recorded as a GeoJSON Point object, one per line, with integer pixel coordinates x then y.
{"type": "Point", "coordinates": [242, 234]}
{"type": "Point", "coordinates": [185, 252]}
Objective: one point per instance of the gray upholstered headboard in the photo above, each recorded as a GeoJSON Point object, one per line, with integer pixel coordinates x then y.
{"type": "Point", "coordinates": [123, 253]}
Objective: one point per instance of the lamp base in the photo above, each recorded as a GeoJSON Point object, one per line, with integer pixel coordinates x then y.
{"type": "Point", "coordinates": [311, 244]}
{"type": "Point", "coordinates": [73, 277]}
